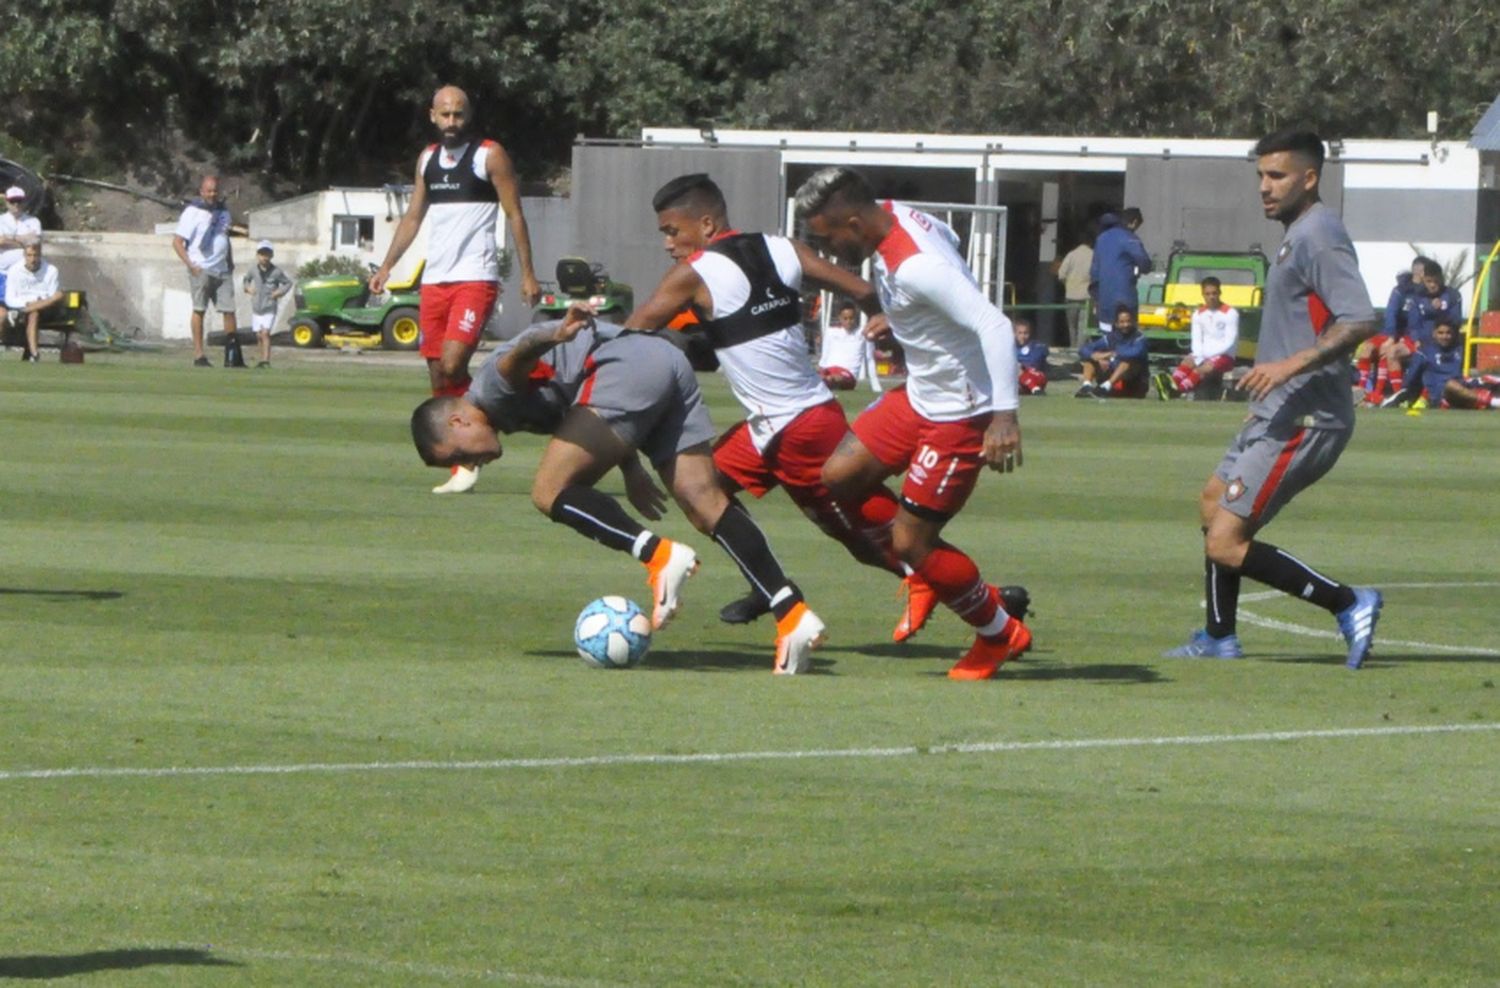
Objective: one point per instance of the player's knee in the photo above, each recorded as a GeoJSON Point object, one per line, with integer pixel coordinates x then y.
{"type": "Point", "coordinates": [1225, 547]}
{"type": "Point", "coordinates": [542, 497]}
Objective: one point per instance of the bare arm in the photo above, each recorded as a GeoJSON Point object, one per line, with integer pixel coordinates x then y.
{"type": "Point", "coordinates": [406, 232]}
{"type": "Point", "coordinates": [180, 246]}
{"type": "Point", "coordinates": [503, 178]}
{"type": "Point", "coordinates": [823, 274]}
{"type": "Point", "coordinates": [531, 346]}
{"type": "Point", "coordinates": [43, 303]}
{"type": "Point", "coordinates": [1336, 342]}
{"type": "Point", "coordinates": [680, 288]}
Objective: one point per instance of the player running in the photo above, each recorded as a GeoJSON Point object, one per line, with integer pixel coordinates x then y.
{"type": "Point", "coordinates": [744, 290]}
{"type": "Point", "coordinates": [463, 182]}
{"type": "Point", "coordinates": [603, 394]}
{"type": "Point", "coordinates": [956, 412]}
{"type": "Point", "coordinates": [1316, 312]}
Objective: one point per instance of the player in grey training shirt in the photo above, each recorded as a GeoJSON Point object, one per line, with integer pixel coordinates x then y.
{"type": "Point", "coordinates": [604, 393]}
{"type": "Point", "coordinates": [1302, 408]}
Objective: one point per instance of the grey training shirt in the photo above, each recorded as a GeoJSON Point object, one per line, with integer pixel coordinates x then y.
{"type": "Point", "coordinates": [1314, 282]}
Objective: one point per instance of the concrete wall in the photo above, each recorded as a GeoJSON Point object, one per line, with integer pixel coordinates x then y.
{"type": "Point", "coordinates": [136, 281]}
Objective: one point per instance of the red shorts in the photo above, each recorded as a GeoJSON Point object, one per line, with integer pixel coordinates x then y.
{"type": "Point", "coordinates": [794, 459]}
{"type": "Point", "coordinates": [941, 459]}
{"type": "Point", "coordinates": [455, 310]}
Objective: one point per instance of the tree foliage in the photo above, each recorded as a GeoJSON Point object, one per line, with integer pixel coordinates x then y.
{"type": "Point", "coordinates": [313, 91]}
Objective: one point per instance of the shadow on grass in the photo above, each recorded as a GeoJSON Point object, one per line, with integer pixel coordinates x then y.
{"type": "Point", "coordinates": [708, 660]}
{"type": "Point", "coordinates": [48, 966]}
{"type": "Point", "coordinates": [1383, 661]}
{"type": "Point", "coordinates": [63, 596]}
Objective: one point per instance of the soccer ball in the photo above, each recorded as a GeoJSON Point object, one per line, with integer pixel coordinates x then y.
{"type": "Point", "coordinates": [612, 633]}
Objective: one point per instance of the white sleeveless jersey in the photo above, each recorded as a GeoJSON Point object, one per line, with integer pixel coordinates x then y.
{"type": "Point", "coordinates": [960, 349]}
{"type": "Point", "coordinates": [460, 235]}
{"type": "Point", "coordinates": [772, 375]}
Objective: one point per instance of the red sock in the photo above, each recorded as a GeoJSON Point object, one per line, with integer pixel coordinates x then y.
{"type": "Point", "coordinates": [1393, 374]}
{"type": "Point", "coordinates": [953, 576]}
{"type": "Point", "coordinates": [1381, 377]}
{"type": "Point", "coordinates": [1363, 364]}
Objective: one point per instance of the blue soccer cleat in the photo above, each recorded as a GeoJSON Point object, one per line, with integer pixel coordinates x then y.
{"type": "Point", "coordinates": [1202, 645]}
{"type": "Point", "coordinates": [1357, 622]}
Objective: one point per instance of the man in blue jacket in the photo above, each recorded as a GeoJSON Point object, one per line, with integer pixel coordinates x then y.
{"type": "Point", "coordinates": [1119, 258]}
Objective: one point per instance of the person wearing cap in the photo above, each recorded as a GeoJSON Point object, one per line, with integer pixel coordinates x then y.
{"type": "Point", "coordinates": [17, 229]}
{"type": "Point", "coordinates": [202, 242]}
{"type": "Point", "coordinates": [265, 284]}
{"type": "Point", "coordinates": [32, 287]}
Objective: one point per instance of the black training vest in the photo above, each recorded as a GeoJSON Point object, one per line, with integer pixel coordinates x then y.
{"type": "Point", "coordinates": [459, 183]}
{"type": "Point", "coordinates": [772, 306]}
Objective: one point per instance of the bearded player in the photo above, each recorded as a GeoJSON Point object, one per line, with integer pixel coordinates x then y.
{"type": "Point", "coordinates": [462, 182]}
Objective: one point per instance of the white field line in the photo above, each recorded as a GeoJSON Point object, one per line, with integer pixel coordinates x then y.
{"type": "Point", "coordinates": [1300, 629]}
{"type": "Point", "coordinates": [724, 757]}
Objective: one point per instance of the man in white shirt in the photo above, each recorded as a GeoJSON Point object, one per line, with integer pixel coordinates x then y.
{"type": "Point", "coordinates": [955, 414]}
{"type": "Point", "coordinates": [202, 243]}
{"type": "Point", "coordinates": [1216, 334]}
{"type": "Point", "coordinates": [17, 229]}
{"type": "Point", "coordinates": [32, 286]}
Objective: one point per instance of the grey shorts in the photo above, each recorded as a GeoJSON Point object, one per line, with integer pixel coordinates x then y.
{"type": "Point", "coordinates": [644, 388]}
{"type": "Point", "coordinates": [215, 288]}
{"type": "Point", "coordinates": [1267, 465]}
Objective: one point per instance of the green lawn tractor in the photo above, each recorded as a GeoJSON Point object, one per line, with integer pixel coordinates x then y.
{"type": "Point", "coordinates": [1167, 305]}
{"type": "Point", "coordinates": [579, 280]}
{"type": "Point", "coordinates": [338, 310]}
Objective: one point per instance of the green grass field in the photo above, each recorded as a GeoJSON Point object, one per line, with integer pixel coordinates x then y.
{"type": "Point", "coordinates": [275, 715]}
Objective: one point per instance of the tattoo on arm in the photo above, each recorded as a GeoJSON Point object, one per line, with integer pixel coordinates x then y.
{"type": "Point", "coordinates": [1339, 341]}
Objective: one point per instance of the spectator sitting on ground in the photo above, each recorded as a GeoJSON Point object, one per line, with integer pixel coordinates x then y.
{"type": "Point", "coordinates": [1374, 375]}
{"type": "Point", "coordinates": [17, 229]}
{"type": "Point", "coordinates": [32, 286]}
{"type": "Point", "coordinates": [1121, 370]}
{"type": "Point", "coordinates": [844, 352]}
{"type": "Point", "coordinates": [1434, 304]}
{"type": "Point", "coordinates": [265, 284]}
{"type": "Point", "coordinates": [1434, 375]}
{"type": "Point", "coordinates": [1031, 359]}
{"type": "Point", "coordinates": [1119, 260]}
{"type": "Point", "coordinates": [1215, 334]}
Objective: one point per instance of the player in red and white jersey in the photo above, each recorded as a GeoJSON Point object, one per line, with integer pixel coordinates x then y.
{"type": "Point", "coordinates": [744, 290]}
{"type": "Point", "coordinates": [957, 411]}
{"type": "Point", "coordinates": [461, 184]}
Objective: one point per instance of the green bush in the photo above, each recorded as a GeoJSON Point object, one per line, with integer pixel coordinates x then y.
{"type": "Point", "coordinates": [333, 264]}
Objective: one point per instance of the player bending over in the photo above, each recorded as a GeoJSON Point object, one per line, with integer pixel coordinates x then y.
{"type": "Point", "coordinates": [603, 394]}
{"type": "Point", "coordinates": [956, 412]}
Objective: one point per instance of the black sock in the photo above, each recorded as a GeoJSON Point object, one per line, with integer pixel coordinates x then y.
{"type": "Point", "coordinates": [1287, 573]}
{"type": "Point", "coordinates": [738, 535]}
{"type": "Point", "coordinates": [597, 516]}
{"type": "Point", "coordinates": [1221, 588]}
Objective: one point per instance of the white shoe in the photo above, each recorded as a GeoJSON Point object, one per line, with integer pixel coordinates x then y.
{"type": "Point", "coordinates": [666, 571]}
{"type": "Point", "coordinates": [462, 480]}
{"type": "Point", "coordinates": [797, 635]}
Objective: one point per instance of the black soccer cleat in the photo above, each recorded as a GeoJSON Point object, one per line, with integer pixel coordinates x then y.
{"type": "Point", "coordinates": [744, 610]}
{"type": "Point", "coordinates": [1016, 601]}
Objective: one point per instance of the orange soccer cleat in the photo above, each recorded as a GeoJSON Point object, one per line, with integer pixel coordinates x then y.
{"type": "Point", "coordinates": [797, 635]}
{"type": "Point", "coordinates": [987, 655]}
{"type": "Point", "coordinates": [920, 601]}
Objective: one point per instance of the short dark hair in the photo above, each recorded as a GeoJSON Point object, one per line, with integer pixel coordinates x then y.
{"type": "Point", "coordinates": [1124, 307]}
{"type": "Point", "coordinates": [1130, 215]}
{"type": "Point", "coordinates": [1300, 142]}
{"type": "Point", "coordinates": [1210, 280]}
{"type": "Point", "coordinates": [1431, 267]}
{"type": "Point", "coordinates": [1021, 321]}
{"type": "Point", "coordinates": [429, 426]}
{"type": "Point", "coordinates": [695, 191]}
{"type": "Point", "coordinates": [834, 184]}
{"type": "Point", "coordinates": [847, 303]}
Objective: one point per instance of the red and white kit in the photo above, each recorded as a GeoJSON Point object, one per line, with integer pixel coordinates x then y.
{"type": "Point", "coordinates": [461, 280]}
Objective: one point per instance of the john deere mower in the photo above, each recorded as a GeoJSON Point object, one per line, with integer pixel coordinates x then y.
{"type": "Point", "coordinates": [338, 309]}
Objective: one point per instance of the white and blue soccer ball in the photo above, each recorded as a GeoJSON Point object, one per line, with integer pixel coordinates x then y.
{"type": "Point", "coordinates": [612, 633]}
